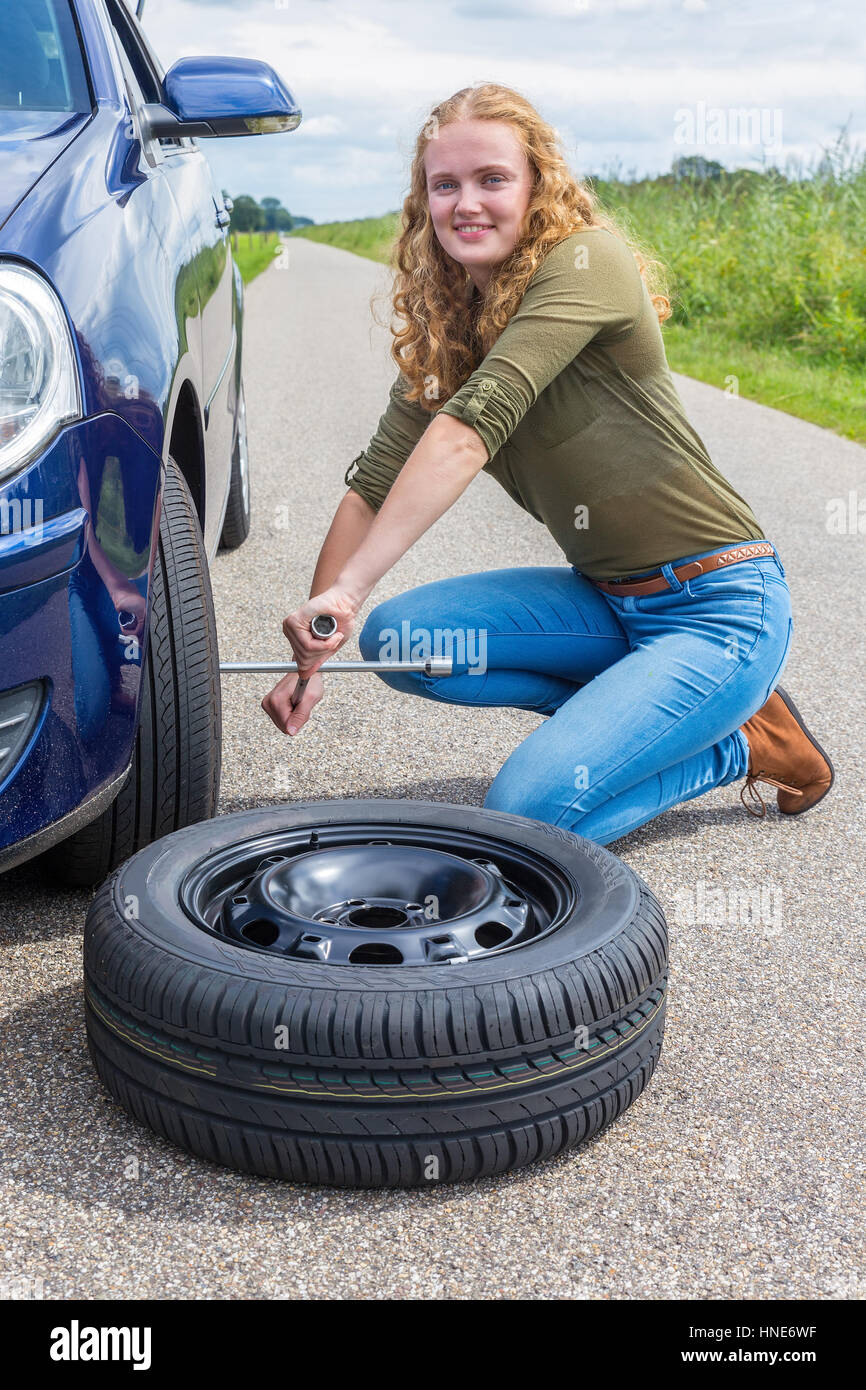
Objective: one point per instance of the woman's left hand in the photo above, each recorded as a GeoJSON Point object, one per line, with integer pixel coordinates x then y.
{"type": "Point", "coordinates": [310, 651]}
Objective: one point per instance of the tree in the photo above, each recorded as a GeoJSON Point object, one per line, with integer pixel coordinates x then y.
{"type": "Point", "coordinates": [268, 216]}
{"type": "Point", "coordinates": [696, 166]}
{"type": "Point", "coordinates": [277, 219]}
{"type": "Point", "coordinates": [246, 215]}
{"type": "Point", "coordinates": [270, 207]}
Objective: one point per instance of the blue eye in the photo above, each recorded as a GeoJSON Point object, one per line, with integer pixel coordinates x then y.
{"type": "Point", "coordinates": [445, 182]}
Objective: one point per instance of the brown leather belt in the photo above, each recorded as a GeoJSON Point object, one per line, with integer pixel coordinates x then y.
{"type": "Point", "coordinates": [722, 560]}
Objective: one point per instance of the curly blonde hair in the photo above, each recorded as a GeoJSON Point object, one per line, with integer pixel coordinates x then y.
{"type": "Point", "coordinates": [446, 329]}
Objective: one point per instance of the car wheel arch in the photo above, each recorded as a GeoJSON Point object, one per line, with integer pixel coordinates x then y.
{"type": "Point", "coordinates": [185, 443]}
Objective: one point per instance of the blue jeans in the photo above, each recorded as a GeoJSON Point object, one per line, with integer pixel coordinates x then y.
{"type": "Point", "coordinates": [645, 695]}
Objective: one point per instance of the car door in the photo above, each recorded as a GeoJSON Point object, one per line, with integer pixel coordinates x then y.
{"type": "Point", "coordinates": [205, 274]}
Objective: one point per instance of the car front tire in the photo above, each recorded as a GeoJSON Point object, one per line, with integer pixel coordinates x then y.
{"type": "Point", "coordinates": [175, 774]}
{"type": "Point", "coordinates": [236, 523]}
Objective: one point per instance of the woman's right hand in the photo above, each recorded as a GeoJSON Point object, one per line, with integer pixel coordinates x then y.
{"type": "Point", "coordinates": [277, 704]}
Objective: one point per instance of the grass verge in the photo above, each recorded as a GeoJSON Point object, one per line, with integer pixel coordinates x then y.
{"type": "Point", "coordinates": [253, 252]}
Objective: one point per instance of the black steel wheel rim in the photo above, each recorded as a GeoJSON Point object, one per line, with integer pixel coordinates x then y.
{"type": "Point", "coordinates": [364, 893]}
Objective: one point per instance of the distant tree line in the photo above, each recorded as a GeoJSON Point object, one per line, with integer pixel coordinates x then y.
{"type": "Point", "coordinates": [267, 216]}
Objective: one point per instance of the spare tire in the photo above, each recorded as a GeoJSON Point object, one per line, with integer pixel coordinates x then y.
{"type": "Point", "coordinates": [374, 993]}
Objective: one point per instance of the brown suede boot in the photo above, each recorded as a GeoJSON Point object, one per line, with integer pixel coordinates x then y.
{"type": "Point", "coordinates": [784, 753]}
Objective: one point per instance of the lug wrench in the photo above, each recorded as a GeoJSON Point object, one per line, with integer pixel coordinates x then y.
{"type": "Point", "coordinates": [325, 625]}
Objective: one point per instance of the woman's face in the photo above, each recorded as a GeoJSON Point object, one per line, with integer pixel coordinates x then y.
{"type": "Point", "coordinates": [477, 175]}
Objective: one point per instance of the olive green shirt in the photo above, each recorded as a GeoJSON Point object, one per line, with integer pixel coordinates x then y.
{"type": "Point", "coordinates": [582, 421]}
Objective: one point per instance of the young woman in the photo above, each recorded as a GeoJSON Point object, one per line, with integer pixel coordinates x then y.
{"type": "Point", "coordinates": [531, 347]}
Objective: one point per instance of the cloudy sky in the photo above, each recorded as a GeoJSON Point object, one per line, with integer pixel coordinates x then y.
{"type": "Point", "coordinates": [628, 84]}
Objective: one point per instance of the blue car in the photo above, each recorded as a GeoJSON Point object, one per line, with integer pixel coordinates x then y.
{"type": "Point", "coordinates": [123, 457]}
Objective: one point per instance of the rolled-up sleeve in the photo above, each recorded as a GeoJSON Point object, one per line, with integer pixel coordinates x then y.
{"type": "Point", "coordinates": [587, 286]}
{"type": "Point", "coordinates": [398, 431]}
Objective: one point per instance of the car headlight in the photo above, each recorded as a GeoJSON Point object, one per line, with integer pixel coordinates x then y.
{"type": "Point", "coordinates": [39, 388]}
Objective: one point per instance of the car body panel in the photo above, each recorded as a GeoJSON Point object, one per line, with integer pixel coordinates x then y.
{"type": "Point", "coordinates": [132, 235]}
{"type": "Point", "coordinates": [26, 151]}
{"type": "Point", "coordinates": [62, 626]}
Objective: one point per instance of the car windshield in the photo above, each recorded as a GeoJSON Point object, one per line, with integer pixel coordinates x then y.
{"type": "Point", "coordinates": [41, 67]}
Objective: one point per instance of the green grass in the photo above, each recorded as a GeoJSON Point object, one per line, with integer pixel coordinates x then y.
{"type": "Point", "coordinates": [825, 394]}
{"type": "Point", "coordinates": [253, 252]}
{"type": "Point", "coordinates": [371, 236]}
{"type": "Point", "coordinates": [767, 279]}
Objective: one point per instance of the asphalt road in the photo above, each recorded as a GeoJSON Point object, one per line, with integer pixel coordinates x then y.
{"type": "Point", "coordinates": [738, 1173]}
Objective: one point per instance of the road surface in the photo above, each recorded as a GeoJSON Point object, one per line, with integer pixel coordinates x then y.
{"type": "Point", "coordinates": [738, 1172]}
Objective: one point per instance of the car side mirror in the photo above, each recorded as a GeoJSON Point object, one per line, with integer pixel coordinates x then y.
{"type": "Point", "coordinates": [221, 96]}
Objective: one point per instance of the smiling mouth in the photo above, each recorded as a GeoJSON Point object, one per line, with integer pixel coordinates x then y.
{"type": "Point", "coordinates": [474, 227]}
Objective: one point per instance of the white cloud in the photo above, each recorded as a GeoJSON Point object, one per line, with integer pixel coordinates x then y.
{"type": "Point", "coordinates": [317, 126]}
{"type": "Point", "coordinates": [610, 75]}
